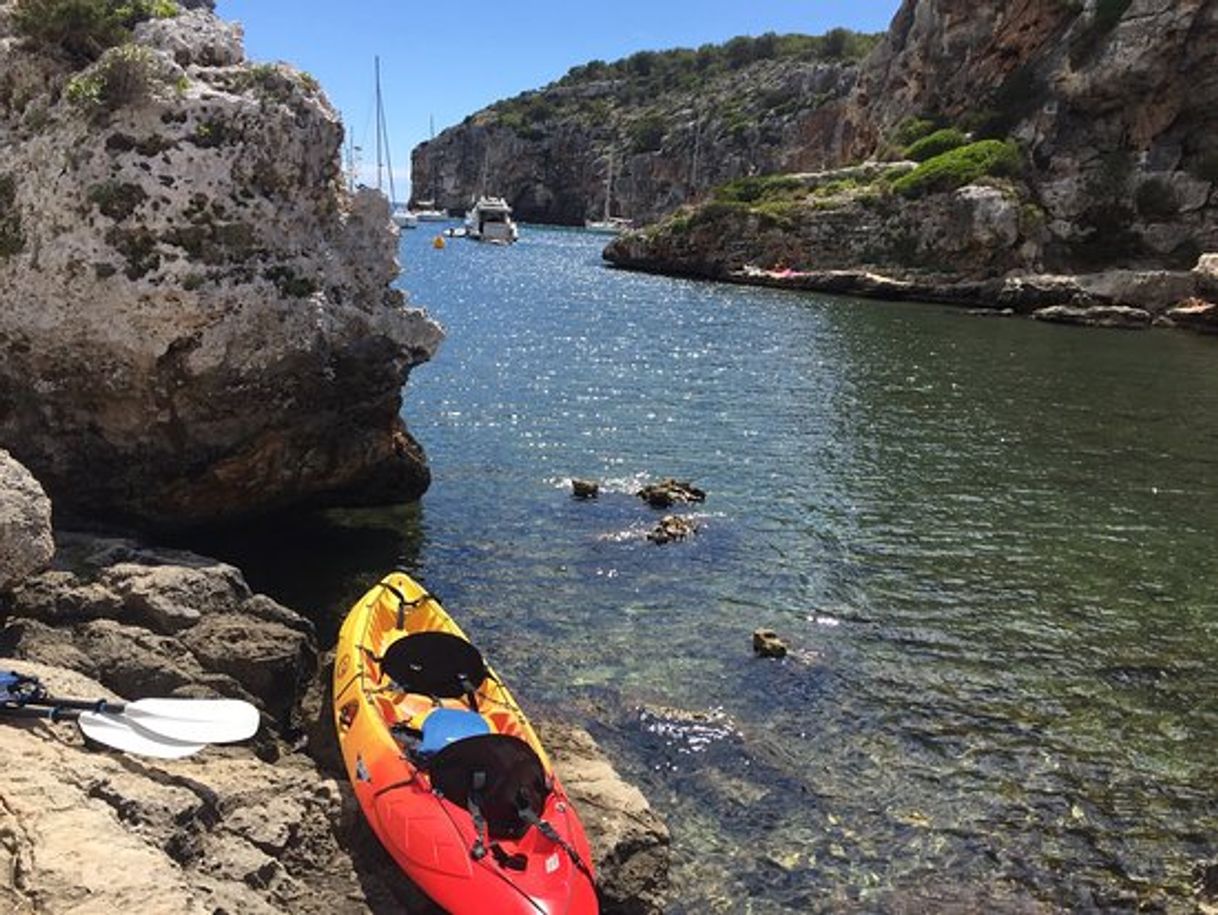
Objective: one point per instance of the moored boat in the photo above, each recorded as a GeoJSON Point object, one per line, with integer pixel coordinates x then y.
{"type": "Point", "coordinates": [490, 219]}
{"type": "Point", "coordinates": [446, 767]}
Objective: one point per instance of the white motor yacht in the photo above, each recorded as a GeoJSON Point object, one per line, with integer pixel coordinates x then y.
{"type": "Point", "coordinates": [490, 219]}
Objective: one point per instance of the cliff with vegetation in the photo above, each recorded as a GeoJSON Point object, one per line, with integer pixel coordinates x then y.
{"type": "Point", "coordinates": [198, 322]}
{"type": "Point", "coordinates": [1007, 140]}
{"type": "Point", "coordinates": [673, 124]}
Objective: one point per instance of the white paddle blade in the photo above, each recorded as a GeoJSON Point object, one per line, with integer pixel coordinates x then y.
{"type": "Point", "coordinates": [195, 720]}
{"type": "Point", "coordinates": [116, 731]}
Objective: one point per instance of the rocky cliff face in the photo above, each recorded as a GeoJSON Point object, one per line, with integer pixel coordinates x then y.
{"type": "Point", "coordinates": [197, 319]}
{"type": "Point", "coordinates": [673, 125]}
{"type": "Point", "coordinates": [1108, 104]}
{"type": "Point", "coordinates": [1112, 100]}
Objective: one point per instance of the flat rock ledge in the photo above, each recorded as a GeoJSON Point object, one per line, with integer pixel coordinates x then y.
{"type": "Point", "coordinates": [1129, 299]}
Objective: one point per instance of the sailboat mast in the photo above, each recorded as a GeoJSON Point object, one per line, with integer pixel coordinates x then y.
{"type": "Point", "coordinates": [609, 187]}
{"type": "Point", "coordinates": [379, 122]}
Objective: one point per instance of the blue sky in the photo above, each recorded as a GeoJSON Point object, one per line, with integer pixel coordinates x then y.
{"type": "Point", "coordinates": [448, 59]}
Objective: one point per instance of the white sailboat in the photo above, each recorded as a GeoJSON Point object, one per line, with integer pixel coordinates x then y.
{"type": "Point", "coordinates": [426, 210]}
{"type": "Point", "coordinates": [401, 216]}
{"type": "Point", "coordinates": [610, 225]}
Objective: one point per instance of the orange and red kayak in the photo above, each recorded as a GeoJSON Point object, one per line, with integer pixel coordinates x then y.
{"type": "Point", "coordinates": [446, 767]}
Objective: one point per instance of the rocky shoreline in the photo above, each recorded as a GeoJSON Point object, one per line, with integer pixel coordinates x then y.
{"type": "Point", "coordinates": [1125, 299]}
{"type": "Point", "coordinates": [267, 827]}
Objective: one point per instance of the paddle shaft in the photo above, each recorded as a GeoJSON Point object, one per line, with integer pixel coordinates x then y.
{"type": "Point", "coordinates": [97, 705]}
{"type": "Point", "coordinates": [54, 712]}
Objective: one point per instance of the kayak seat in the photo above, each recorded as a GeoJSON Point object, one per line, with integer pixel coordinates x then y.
{"type": "Point", "coordinates": [444, 726]}
{"type": "Point", "coordinates": [495, 774]}
{"type": "Point", "coordinates": [436, 664]}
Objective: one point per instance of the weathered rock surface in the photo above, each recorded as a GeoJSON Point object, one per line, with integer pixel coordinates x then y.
{"type": "Point", "coordinates": [1112, 101]}
{"type": "Point", "coordinates": [91, 830]}
{"type": "Point", "coordinates": [198, 322]}
{"type": "Point", "coordinates": [1195, 314]}
{"type": "Point", "coordinates": [670, 491]}
{"type": "Point", "coordinates": [630, 842]}
{"type": "Point", "coordinates": [26, 542]}
{"type": "Point", "coordinates": [1116, 316]}
{"type": "Point", "coordinates": [767, 644]}
{"type": "Point", "coordinates": [672, 528]}
{"type": "Point", "coordinates": [145, 621]}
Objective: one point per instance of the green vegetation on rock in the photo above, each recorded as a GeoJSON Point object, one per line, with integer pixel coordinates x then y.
{"type": "Point", "coordinates": [911, 130]}
{"type": "Point", "coordinates": [755, 188]}
{"type": "Point", "coordinates": [685, 67]}
{"type": "Point", "coordinates": [123, 76]}
{"type": "Point", "coordinates": [84, 29]}
{"type": "Point", "coordinates": [642, 92]}
{"type": "Point", "coordinates": [961, 166]}
{"type": "Point", "coordinates": [12, 239]}
{"type": "Point", "coordinates": [935, 144]}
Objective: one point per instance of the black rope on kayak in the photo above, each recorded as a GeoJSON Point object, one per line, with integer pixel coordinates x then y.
{"type": "Point", "coordinates": [516, 862]}
{"type": "Point", "coordinates": [474, 804]}
{"type": "Point", "coordinates": [527, 814]}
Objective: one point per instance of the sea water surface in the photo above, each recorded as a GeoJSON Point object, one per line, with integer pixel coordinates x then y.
{"type": "Point", "coordinates": [992, 546]}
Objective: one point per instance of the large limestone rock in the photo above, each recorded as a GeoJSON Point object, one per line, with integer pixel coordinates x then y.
{"type": "Point", "coordinates": [197, 322]}
{"type": "Point", "coordinates": [144, 621]}
{"type": "Point", "coordinates": [26, 543]}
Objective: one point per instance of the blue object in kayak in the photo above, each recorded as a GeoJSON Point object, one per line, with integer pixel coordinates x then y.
{"type": "Point", "coordinates": [448, 725]}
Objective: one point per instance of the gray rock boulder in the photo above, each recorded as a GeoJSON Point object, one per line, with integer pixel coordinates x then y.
{"type": "Point", "coordinates": [26, 543]}
{"type": "Point", "coordinates": [630, 842]}
{"type": "Point", "coordinates": [199, 322]}
{"type": "Point", "coordinates": [1116, 316]}
{"type": "Point", "coordinates": [145, 621]}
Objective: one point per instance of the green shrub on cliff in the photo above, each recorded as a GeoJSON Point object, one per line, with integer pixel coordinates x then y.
{"type": "Point", "coordinates": [961, 166]}
{"type": "Point", "coordinates": [84, 29]}
{"type": "Point", "coordinates": [124, 76]}
{"type": "Point", "coordinates": [911, 130]}
{"type": "Point", "coordinates": [755, 188]}
{"type": "Point", "coordinates": [936, 144]}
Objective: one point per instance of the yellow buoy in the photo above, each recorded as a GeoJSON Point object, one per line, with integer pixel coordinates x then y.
{"type": "Point", "coordinates": [438, 244]}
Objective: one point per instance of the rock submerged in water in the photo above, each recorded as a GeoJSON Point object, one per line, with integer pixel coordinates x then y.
{"type": "Point", "coordinates": [206, 309]}
{"type": "Point", "coordinates": [585, 489]}
{"type": "Point", "coordinates": [767, 644]}
{"type": "Point", "coordinates": [672, 528]}
{"type": "Point", "coordinates": [669, 492]}
{"type": "Point", "coordinates": [1195, 314]}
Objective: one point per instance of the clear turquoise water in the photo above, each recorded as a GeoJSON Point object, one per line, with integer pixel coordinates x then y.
{"type": "Point", "coordinates": [991, 544]}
